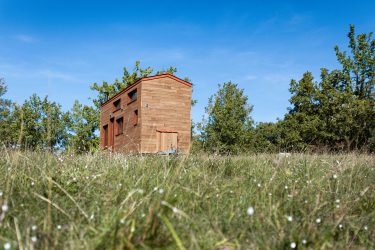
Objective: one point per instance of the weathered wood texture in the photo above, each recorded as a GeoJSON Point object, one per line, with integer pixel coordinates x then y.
{"type": "Point", "coordinates": [129, 141]}
{"type": "Point", "coordinates": [164, 106]}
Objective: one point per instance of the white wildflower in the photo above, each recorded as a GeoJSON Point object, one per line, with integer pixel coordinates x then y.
{"type": "Point", "coordinates": [293, 245]}
{"type": "Point", "coordinates": [304, 241]}
{"type": "Point", "coordinates": [32, 183]}
{"type": "Point", "coordinates": [250, 211]}
{"type": "Point", "coordinates": [175, 209]}
{"type": "Point", "coordinates": [318, 220]}
{"type": "Point", "coordinates": [7, 246]}
{"type": "Point", "coordinates": [340, 226]}
{"type": "Point", "coordinates": [4, 208]}
{"type": "Point", "coordinates": [259, 185]}
{"type": "Point", "coordinates": [155, 188]}
{"type": "Point", "coordinates": [164, 203]}
{"type": "Point", "coordinates": [290, 218]}
{"type": "Point", "coordinates": [365, 227]}
{"type": "Point", "coordinates": [337, 201]}
{"type": "Point", "coordinates": [34, 239]}
{"type": "Point", "coordinates": [122, 221]}
{"type": "Point", "coordinates": [286, 187]}
{"type": "Point", "coordinates": [34, 227]}
{"type": "Point", "coordinates": [161, 191]}
{"type": "Point", "coordinates": [58, 227]}
{"type": "Point", "coordinates": [334, 176]}
{"type": "Point", "coordinates": [269, 194]}
{"type": "Point", "coordinates": [1, 193]}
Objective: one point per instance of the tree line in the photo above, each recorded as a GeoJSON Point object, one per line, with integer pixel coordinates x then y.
{"type": "Point", "coordinates": [334, 112]}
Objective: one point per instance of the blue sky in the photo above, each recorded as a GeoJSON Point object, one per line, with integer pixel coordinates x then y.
{"type": "Point", "coordinates": [59, 48]}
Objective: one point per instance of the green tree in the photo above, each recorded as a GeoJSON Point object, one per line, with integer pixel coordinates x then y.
{"type": "Point", "coordinates": [266, 137]}
{"type": "Point", "coordinates": [6, 109]}
{"type": "Point", "coordinates": [338, 112]}
{"type": "Point", "coordinates": [107, 90]}
{"type": "Point", "coordinates": [229, 121]}
{"type": "Point", "coordinates": [300, 128]}
{"type": "Point", "coordinates": [82, 126]}
{"type": "Point", "coordinates": [39, 124]}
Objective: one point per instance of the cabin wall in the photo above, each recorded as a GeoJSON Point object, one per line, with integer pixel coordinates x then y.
{"type": "Point", "coordinates": [166, 106]}
{"type": "Point", "coordinates": [129, 140]}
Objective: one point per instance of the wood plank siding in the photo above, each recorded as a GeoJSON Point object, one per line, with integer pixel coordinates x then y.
{"type": "Point", "coordinates": [158, 119]}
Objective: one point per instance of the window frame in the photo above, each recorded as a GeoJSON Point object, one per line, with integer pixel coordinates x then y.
{"type": "Point", "coordinates": [135, 117]}
{"type": "Point", "coordinates": [117, 104]}
{"type": "Point", "coordinates": [105, 135]}
{"type": "Point", "coordinates": [131, 95]}
{"type": "Point", "coordinates": [119, 129]}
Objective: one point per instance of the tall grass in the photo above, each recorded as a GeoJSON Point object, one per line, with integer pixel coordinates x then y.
{"type": "Point", "coordinates": [198, 202]}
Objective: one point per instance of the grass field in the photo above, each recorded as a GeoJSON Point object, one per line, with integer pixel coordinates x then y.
{"type": "Point", "coordinates": [196, 202]}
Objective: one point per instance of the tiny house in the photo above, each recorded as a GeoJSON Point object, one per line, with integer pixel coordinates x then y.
{"type": "Point", "coordinates": [153, 115]}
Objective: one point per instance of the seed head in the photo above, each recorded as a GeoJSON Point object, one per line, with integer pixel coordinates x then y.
{"type": "Point", "coordinates": [250, 211]}
{"type": "Point", "coordinates": [4, 208]}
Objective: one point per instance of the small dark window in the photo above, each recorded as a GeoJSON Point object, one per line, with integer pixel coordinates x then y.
{"type": "Point", "coordinates": [119, 126]}
{"type": "Point", "coordinates": [105, 132]}
{"type": "Point", "coordinates": [135, 117]}
{"type": "Point", "coordinates": [132, 95]}
{"type": "Point", "coordinates": [117, 104]}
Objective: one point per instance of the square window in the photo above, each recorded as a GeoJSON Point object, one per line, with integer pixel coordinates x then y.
{"type": "Point", "coordinates": [132, 95]}
{"type": "Point", "coordinates": [117, 104]}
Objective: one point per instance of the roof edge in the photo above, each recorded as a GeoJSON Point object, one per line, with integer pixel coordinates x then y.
{"type": "Point", "coordinates": [147, 78]}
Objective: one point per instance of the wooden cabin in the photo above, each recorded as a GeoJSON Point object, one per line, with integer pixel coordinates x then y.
{"type": "Point", "coordinates": [150, 116]}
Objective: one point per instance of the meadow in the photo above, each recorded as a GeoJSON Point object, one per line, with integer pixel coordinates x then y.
{"type": "Point", "coordinates": [264, 201]}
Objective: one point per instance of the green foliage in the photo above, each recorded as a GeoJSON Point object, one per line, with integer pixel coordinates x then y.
{"type": "Point", "coordinates": [82, 125]}
{"type": "Point", "coordinates": [266, 137]}
{"type": "Point", "coordinates": [100, 201]}
{"type": "Point", "coordinates": [107, 90]}
{"type": "Point", "coordinates": [6, 108]}
{"type": "Point", "coordinates": [39, 124]}
{"type": "Point", "coordinates": [338, 112]}
{"type": "Point", "coordinates": [170, 70]}
{"type": "Point", "coordinates": [229, 122]}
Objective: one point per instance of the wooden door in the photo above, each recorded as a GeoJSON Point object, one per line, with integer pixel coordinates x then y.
{"type": "Point", "coordinates": [167, 141]}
